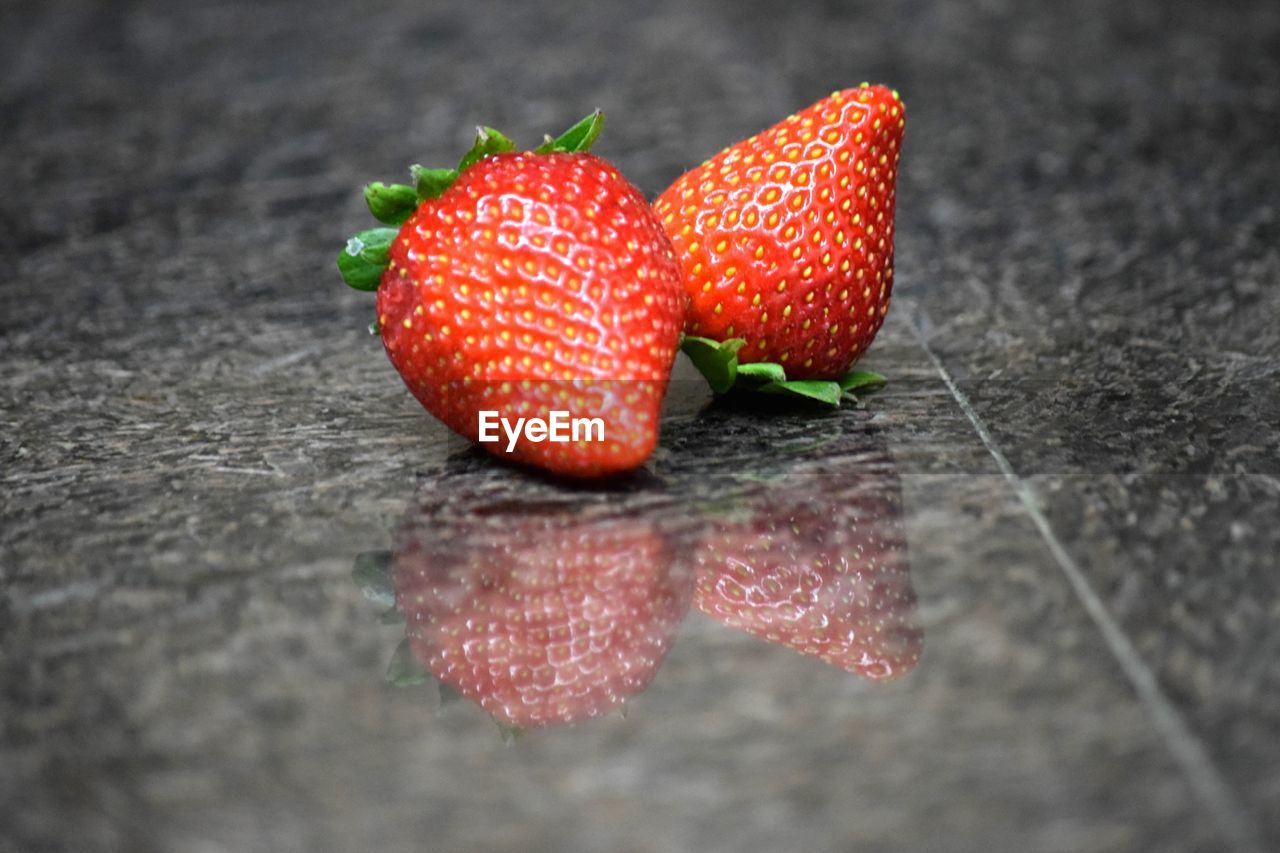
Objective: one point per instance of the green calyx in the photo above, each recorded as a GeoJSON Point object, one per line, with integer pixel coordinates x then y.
{"type": "Point", "coordinates": [404, 670]}
{"type": "Point", "coordinates": [718, 362]}
{"type": "Point", "coordinates": [372, 575]}
{"type": "Point", "coordinates": [363, 260]}
{"type": "Point", "coordinates": [580, 137]}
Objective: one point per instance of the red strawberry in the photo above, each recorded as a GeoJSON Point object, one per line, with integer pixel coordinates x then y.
{"type": "Point", "coordinates": [543, 615]}
{"type": "Point", "coordinates": [818, 564]}
{"type": "Point", "coordinates": [526, 283]}
{"type": "Point", "coordinates": [786, 238]}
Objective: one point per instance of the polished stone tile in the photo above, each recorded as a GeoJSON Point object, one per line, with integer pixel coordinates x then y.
{"type": "Point", "coordinates": [1153, 459]}
{"type": "Point", "coordinates": [254, 698]}
{"type": "Point", "coordinates": [197, 437]}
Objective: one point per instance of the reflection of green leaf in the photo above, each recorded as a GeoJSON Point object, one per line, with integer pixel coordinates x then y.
{"type": "Point", "coordinates": [810, 389]}
{"type": "Point", "coordinates": [449, 695]}
{"type": "Point", "coordinates": [404, 669]}
{"type": "Point", "coordinates": [509, 733]}
{"type": "Point", "coordinates": [860, 380]}
{"type": "Point", "coordinates": [716, 361]}
{"type": "Point", "coordinates": [372, 574]}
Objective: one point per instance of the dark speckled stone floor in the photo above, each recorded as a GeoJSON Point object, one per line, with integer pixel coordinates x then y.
{"type": "Point", "coordinates": [1078, 449]}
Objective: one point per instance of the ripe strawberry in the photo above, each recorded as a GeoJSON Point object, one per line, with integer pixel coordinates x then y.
{"type": "Point", "coordinates": [525, 283]}
{"type": "Point", "coordinates": [786, 238]}
{"type": "Point", "coordinates": [818, 564]}
{"type": "Point", "coordinates": [540, 614]}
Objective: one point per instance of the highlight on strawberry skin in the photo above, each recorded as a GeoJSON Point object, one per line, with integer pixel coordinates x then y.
{"type": "Point", "coordinates": [786, 245]}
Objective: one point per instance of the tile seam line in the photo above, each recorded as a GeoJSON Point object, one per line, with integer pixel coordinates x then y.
{"type": "Point", "coordinates": [1206, 782]}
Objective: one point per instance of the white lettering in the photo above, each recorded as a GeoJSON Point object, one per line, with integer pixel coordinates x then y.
{"type": "Point", "coordinates": [588, 425]}
{"type": "Point", "coordinates": [559, 424]}
{"type": "Point", "coordinates": [559, 428]}
{"type": "Point", "coordinates": [513, 433]}
{"type": "Point", "coordinates": [487, 423]}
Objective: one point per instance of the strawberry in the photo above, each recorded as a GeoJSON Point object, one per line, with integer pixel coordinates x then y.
{"type": "Point", "coordinates": [818, 563]}
{"type": "Point", "coordinates": [786, 243]}
{"type": "Point", "coordinates": [542, 614]}
{"type": "Point", "coordinates": [522, 283]}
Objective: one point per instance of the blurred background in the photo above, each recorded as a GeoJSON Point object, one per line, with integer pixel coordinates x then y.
{"type": "Point", "coordinates": [1075, 466]}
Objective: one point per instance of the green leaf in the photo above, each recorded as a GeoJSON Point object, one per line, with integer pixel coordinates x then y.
{"type": "Point", "coordinates": [717, 361]}
{"type": "Point", "coordinates": [856, 380]}
{"type": "Point", "coordinates": [391, 617]}
{"type": "Point", "coordinates": [372, 574]}
{"type": "Point", "coordinates": [765, 371]}
{"type": "Point", "coordinates": [510, 734]}
{"type": "Point", "coordinates": [364, 258]}
{"type": "Point", "coordinates": [580, 137]}
{"type": "Point", "coordinates": [404, 669]}
{"type": "Point", "coordinates": [488, 141]}
{"type": "Point", "coordinates": [431, 183]}
{"type": "Point", "coordinates": [822, 390]}
{"type": "Point", "coordinates": [449, 694]}
{"type": "Point", "coordinates": [390, 203]}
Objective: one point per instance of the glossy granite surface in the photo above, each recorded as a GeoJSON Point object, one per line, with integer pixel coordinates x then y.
{"type": "Point", "coordinates": [1076, 463]}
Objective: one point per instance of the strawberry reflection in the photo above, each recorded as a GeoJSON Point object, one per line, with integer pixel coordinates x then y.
{"type": "Point", "coordinates": [817, 564]}
{"type": "Point", "coordinates": [542, 609]}
{"type": "Point", "coordinates": [547, 603]}
{"type": "Point", "coordinates": [809, 552]}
